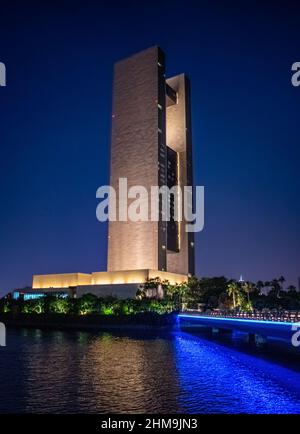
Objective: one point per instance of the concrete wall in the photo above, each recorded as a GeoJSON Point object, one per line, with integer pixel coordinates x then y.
{"type": "Point", "coordinates": [177, 128]}
{"type": "Point", "coordinates": [134, 155]}
{"type": "Point", "coordinates": [121, 291]}
{"type": "Point", "coordinates": [119, 277]}
{"type": "Point", "coordinates": [112, 279]}
{"type": "Point", "coordinates": [165, 275]}
{"type": "Point", "coordinates": [60, 280]}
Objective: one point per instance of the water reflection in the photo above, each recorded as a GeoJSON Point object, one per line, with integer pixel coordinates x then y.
{"type": "Point", "coordinates": [99, 373]}
{"type": "Point", "coordinates": [70, 372]}
{"type": "Point", "coordinates": [129, 375]}
{"type": "Point", "coordinates": [218, 379]}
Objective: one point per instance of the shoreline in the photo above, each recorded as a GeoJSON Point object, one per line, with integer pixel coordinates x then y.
{"type": "Point", "coordinates": [89, 322]}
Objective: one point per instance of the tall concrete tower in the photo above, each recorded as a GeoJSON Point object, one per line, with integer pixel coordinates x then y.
{"type": "Point", "coordinates": [150, 146]}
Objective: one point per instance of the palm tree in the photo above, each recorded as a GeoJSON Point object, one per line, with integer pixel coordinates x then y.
{"type": "Point", "coordinates": [247, 287]}
{"type": "Point", "coordinates": [183, 291]}
{"type": "Point", "coordinates": [276, 286]}
{"type": "Point", "coordinates": [292, 290]}
{"type": "Point", "coordinates": [281, 280]}
{"type": "Point", "coordinates": [259, 285]}
{"type": "Point", "coordinates": [233, 290]}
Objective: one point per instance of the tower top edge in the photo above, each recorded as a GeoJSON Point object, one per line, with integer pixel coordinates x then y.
{"type": "Point", "coordinates": [141, 52]}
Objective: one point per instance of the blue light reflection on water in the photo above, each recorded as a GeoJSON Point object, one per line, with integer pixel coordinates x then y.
{"type": "Point", "coordinates": [139, 372]}
{"type": "Point", "coordinates": [218, 379]}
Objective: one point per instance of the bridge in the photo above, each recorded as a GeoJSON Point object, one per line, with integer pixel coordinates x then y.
{"type": "Point", "coordinates": [258, 327]}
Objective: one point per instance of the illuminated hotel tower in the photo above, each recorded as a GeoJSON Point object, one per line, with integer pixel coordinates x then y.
{"type": "Point", "coordinates": [150, 145]}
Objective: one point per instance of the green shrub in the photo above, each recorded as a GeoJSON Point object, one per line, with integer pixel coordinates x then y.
{"type": "Point", "coordinates": [60, 305]}
{"type": "Point", "coordinates": [33, 306]}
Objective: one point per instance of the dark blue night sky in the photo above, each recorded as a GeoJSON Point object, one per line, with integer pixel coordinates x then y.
{"type": "Point", "coordinates": [55, 116]}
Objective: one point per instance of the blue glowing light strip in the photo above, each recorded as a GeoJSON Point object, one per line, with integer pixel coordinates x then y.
{"type": "Point", "coordinates": [251, 321]}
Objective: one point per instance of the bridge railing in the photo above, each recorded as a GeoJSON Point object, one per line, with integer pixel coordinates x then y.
{"type": "Point", "coordinates": [282, 316]}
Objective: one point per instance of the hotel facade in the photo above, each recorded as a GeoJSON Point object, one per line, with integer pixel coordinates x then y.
{"type": "Point", "coordinates": [150, 146]}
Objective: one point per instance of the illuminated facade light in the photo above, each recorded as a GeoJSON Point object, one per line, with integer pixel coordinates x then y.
{"type": "Point", "coordinates": [156, 159]}
{"type": "Point", "coordinates": [149, 147]}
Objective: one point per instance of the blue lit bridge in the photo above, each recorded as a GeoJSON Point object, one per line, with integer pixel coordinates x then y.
{"type": "Point", "coordinates": [258, 328]}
